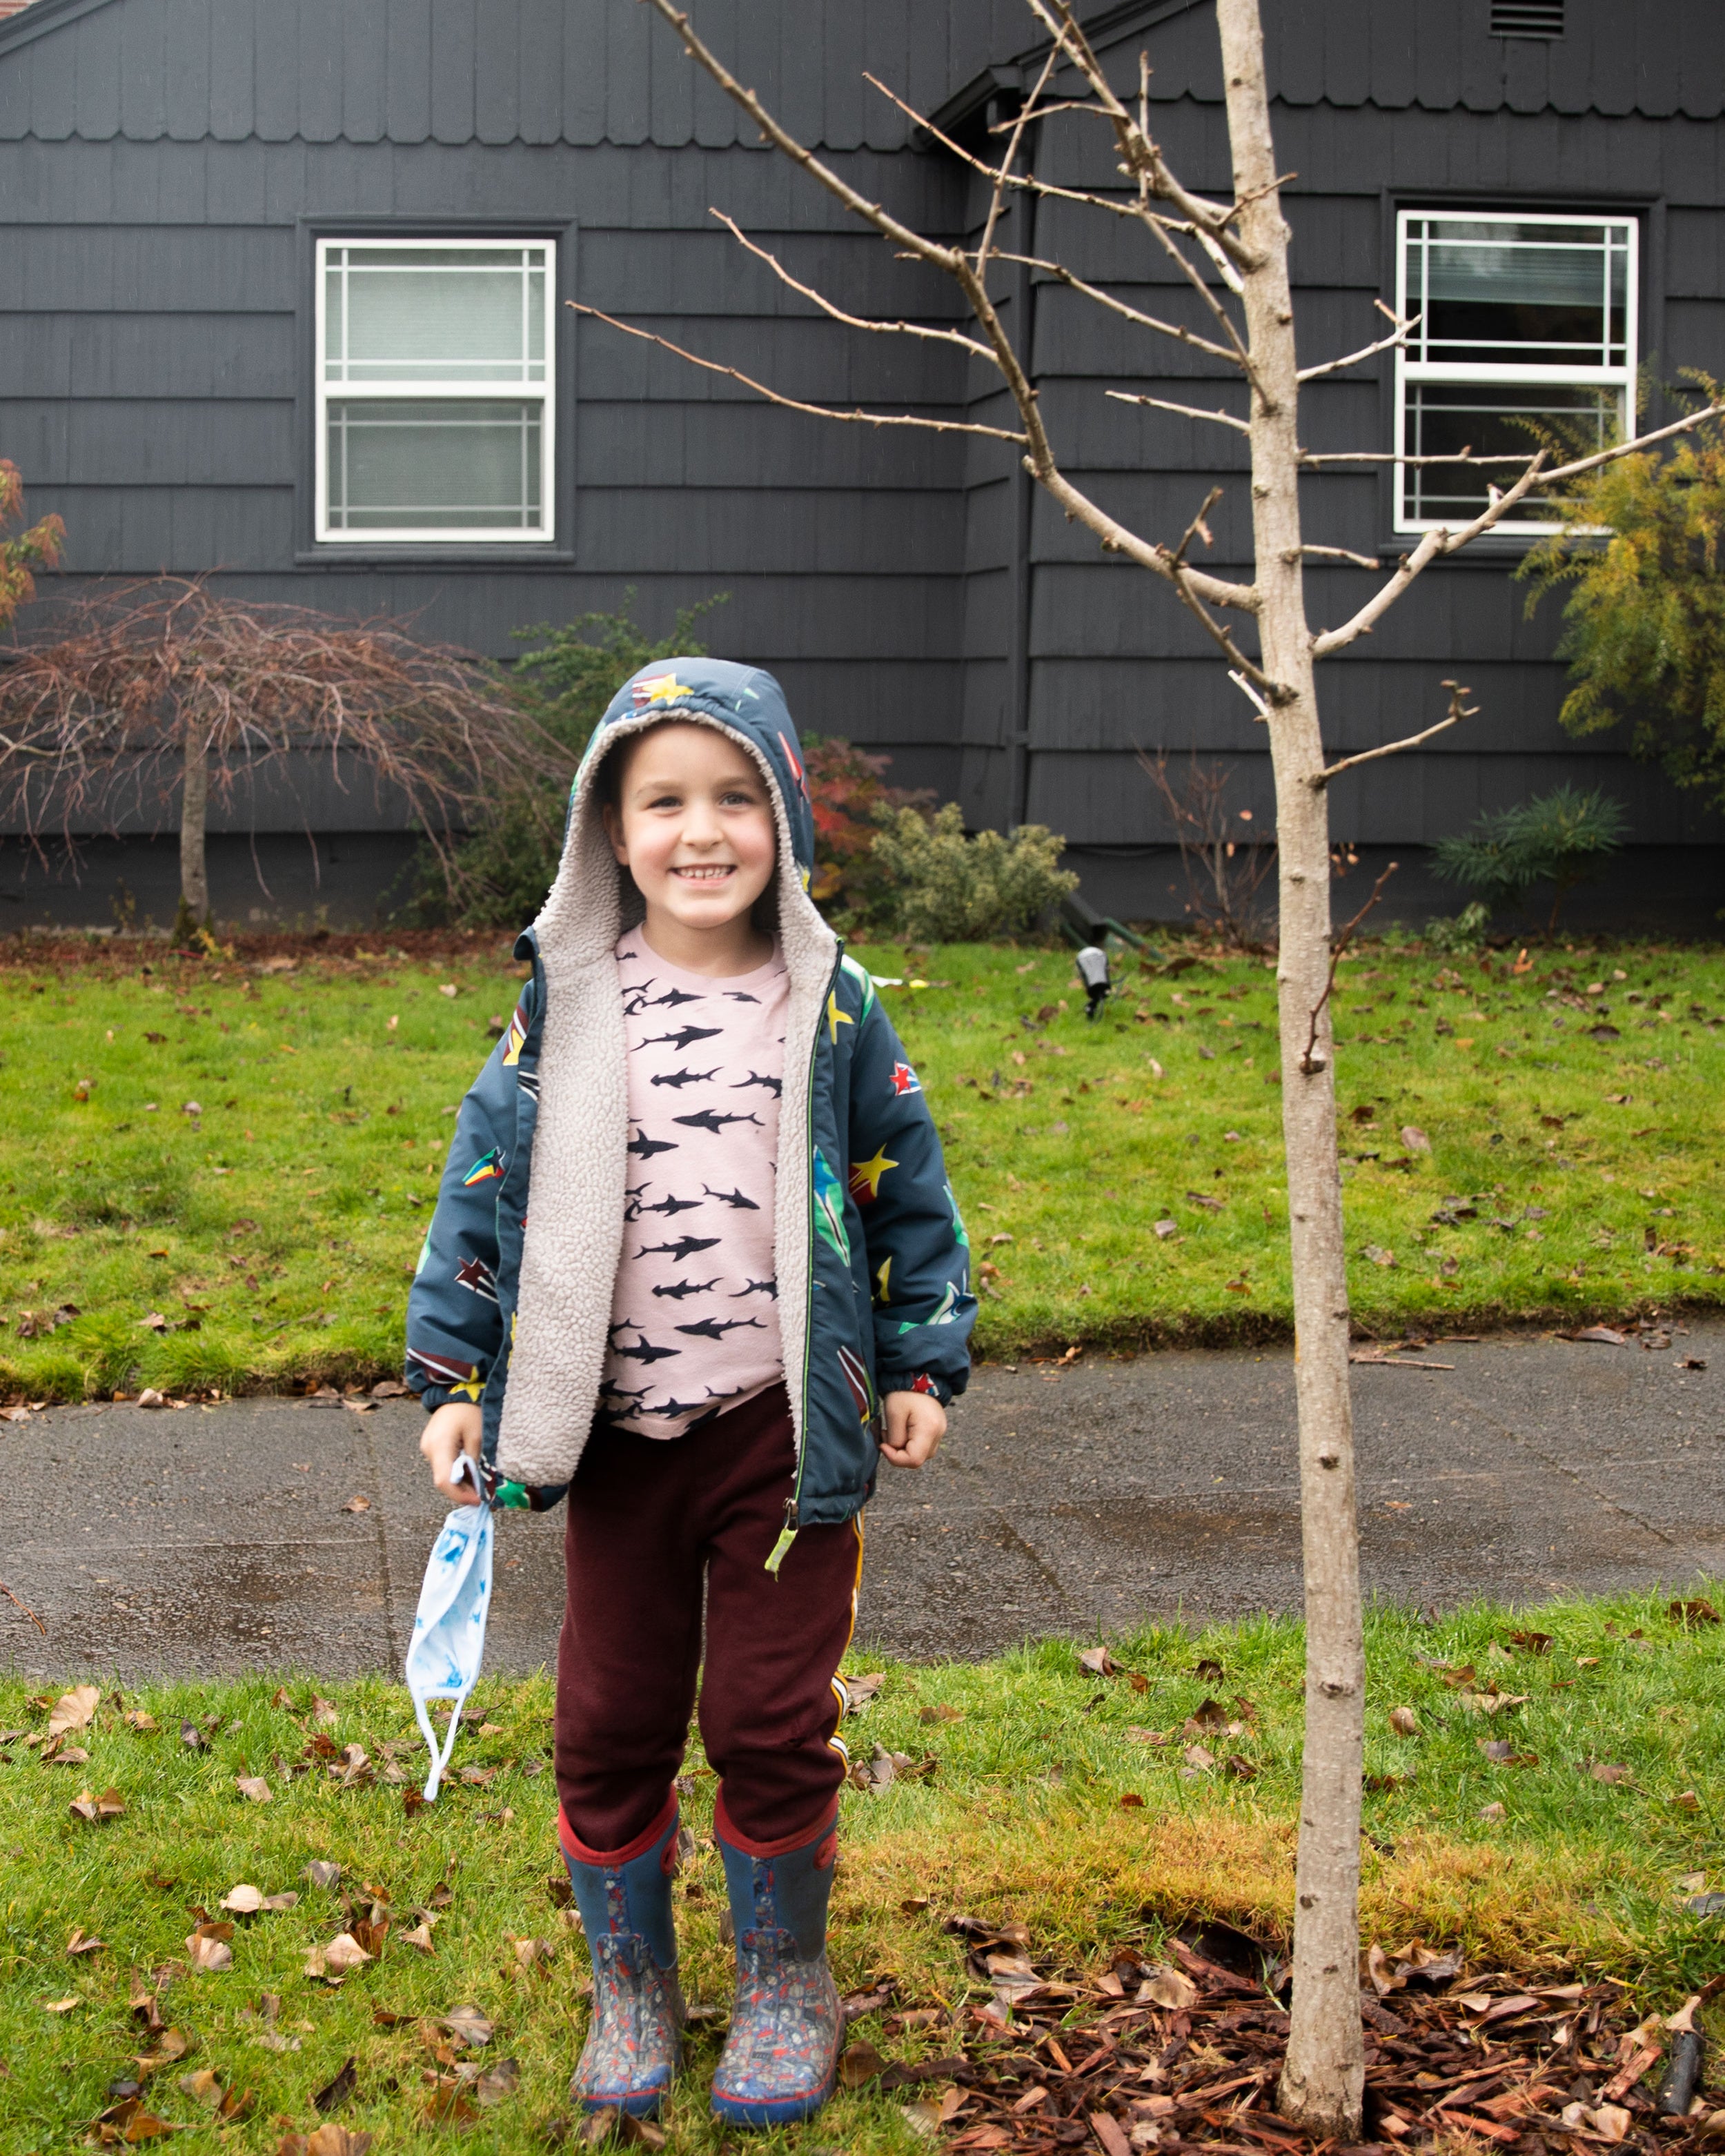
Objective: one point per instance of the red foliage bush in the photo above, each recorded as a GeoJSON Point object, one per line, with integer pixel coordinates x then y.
{"type": "Point", "coordinates": [850, 803]}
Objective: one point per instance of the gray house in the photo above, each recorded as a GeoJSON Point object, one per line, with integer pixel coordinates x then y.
{"type": "Point", "coordinates": [283, 300]}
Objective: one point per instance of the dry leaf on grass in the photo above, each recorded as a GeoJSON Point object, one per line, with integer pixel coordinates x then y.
{"type": "Point", "coordinates": [338, 2091]}
{"type": "Point", "coordinates": [859, 1692]}
{"type": "Point", "coordinates": [1099, 1662]}
{"type": "Point", "coordinates": [344, 1952]}
{"type": "Point", "coordinates": [193, 1737]}
{"type": "Point", "coordinates": [468, 2026]}
{"type": "Point", "coordinates": [79, 1944]}
{"type": "Point", "coordinates": [1404, 1721]}
{"type": "Point", "coordinates": [533, 1953]}
{"type": "Point", "coordinates": [73, 1709]}
{"type": "Point", "coordinates": [61, 2005]}
{"type": "Point", "coordinates": [209, 1948]}
{"type": "Point", "coordinates": [244, 1901]}
{"type": "Point", "coordinates": [323, 1874]}
{"type": "Point", "coordinates": [860, 2063]}
{"type": "Point", "coordinates": [145, 1724]}
{"type": "Point", "coordinates": [253, 1788]}
{"type": "Point", "coordinates": [110, 1805]}
{"type": "Point", "coordinates": [943, 1712]}
{"type": "Point", "coordinates": [420, 1937]}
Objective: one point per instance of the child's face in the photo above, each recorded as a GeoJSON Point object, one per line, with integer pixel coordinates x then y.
{"type": "Point", "coordinates": [694, 826]}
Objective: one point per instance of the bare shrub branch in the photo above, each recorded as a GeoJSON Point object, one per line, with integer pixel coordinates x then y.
{"type": "Point", "coordinates": [1457, 713]}
{"type": "Point", "coordinates": [96, 706]}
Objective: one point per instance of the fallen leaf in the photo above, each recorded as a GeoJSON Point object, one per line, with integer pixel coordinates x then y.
{"type": "Point", "coordinates": [193, 1737]}
{"type": "Point", "coordinates": [143, 1723]}
{"type": "Point", "coordinates": [1132, 1802]}
{"type": "Point", "coordinates": [202, 2086]}
{"type": "Point", "coordinates": [1168, 1987]}
{"type": "Point", "coordinates": [358, 1505]}
{"type": "Point", "coordinates": [146, 2125]}
{"type": "Point", "coordinates": [323, 1874]}
{"type": "Point", "coordinates": [1099, 1662]}
{"type": "Point", "coordinates": [79, 1944]}
{"type": "Point", "coordinates": [1415, 1139]}
{"type": "Point", "coordinates": [1696, 1611]}
{"type": "Point", "coordinates": [253, 1788]}
{"type": "Point", "coordinates": [860, 2062]}
{"type": "Point", "coordinates": [1197, 1756]}
{"type": "Point", "coordinates": [209, 1951]}
{"type": "Point", "coordinates": [338, 2091]}
{"type": "Point", "coordinates": [344, 1952]}
{"type": "Point", "coordinates": [943, 1712]}
{"type": "Point", "coordinates": [420, 1937]}
{"type": "Point", "coordinates": [1492, 1812]}
{"type": "Point", "coordinates": [1532, 1643]}
{"type": "Point", "coordinates": [529, 1953]}
{"type": "Point", "coordinates": [1136, 1736]}
{"type": "Point", "coordinates": [1602, 1335]}
{"type": "Point", "coordinates": [280, 1901]}
{"type": "Point", "coordinates": [468, 2026]}
{"type": "Point", "coordinates": [1238, 1769]}
{"type": "Point", "coordinates": [1605, 1772]}
{"type": "Point", "coordinates": [61, 2005]}
{"type": "Point", "coordinates": [1208, 1715]}
{"type": "Point", "coordinates": [73, 1709]}
{"type": "Point", "coordinates": [502, 2080]}
{"type": "Point", "coordinates": [1208, 1672]}
{"type": "Point", "coordinates": [1404, 1721]}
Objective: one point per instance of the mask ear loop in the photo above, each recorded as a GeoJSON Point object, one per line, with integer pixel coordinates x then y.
{"type": "Point", "coordinates": [463, 1472]}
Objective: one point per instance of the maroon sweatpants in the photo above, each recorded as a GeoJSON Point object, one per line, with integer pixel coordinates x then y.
{"type": "Point", "coordinates": [651, 1521]}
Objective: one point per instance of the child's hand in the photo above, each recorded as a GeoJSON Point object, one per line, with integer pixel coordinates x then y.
{"type": "Point", "coordinates": [915, 1424]}
{"type": "Point", "coordinates": [449, 1431]}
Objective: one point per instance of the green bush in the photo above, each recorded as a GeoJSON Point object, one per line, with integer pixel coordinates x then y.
{"type": "Point", "coordinates": [948, 889]}
{"type": "Point", "coordinates": [1644, 623]}
{"type": "Point", "coordinates": [504, 867]}
{"type": "Point", "coordinates": [1558, 838]}
{"type": "Point", "coordinates": [1462, 931]}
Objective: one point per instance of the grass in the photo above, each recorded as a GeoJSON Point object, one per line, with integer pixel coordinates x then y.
{"type": "Point", "coordinates": [1022, 1818]}
{"type": "Point", "coordinates": [274, 1232]}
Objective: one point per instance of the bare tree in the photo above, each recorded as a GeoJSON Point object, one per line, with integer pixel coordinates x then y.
{"type": "Point", "coordinates": [1242, 246]}
{"type": "Point", "coordinates": [137, 690]}
{"type": "Point", "coordinates": [1224, 870]}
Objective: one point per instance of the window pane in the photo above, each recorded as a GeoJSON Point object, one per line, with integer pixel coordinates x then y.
{"type": "Point", "coordinates": [1526, 295]}
{"type": "Point", "coordinates": [1452, 419]}
{"type": "Point", "coordinates": [420, 465]}
{"type": "Point", "coordinates": [448, 314]}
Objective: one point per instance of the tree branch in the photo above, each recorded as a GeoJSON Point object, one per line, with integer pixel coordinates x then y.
{"type": "Point", "coordinates": [1441, 542]}
{"type": "Point", "coordinates": [837, 313]}
{"type": "Point", "coordinates": [1187, 411]}
{"type": "Point", "coordinates": [1321, 779]}
{"type": "Point", "coordinates": [1310, 1066]}
{"type": "Point", "coordinates": [1250, 693]}
{"type": "Point", "coordinates": [1398, 336]}
{"type": "Point", "coordinates": [1189, 586]}
{"type": "Point", "coordinates": [1021, 120]}
{"type": "Point", "coordinates": [1062, 275]}
{"type": "Point", "coordinates": [1339, 554]}
{"type": "Point", "coordinates": [858, 417]}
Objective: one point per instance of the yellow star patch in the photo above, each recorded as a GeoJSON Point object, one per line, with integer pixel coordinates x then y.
{"type": "Point", "coordinates": [662, 688]}
{"type": "Point", "coordinates": [836, 1017]}
{"type": "Point", "coordinates": [867, 1173]}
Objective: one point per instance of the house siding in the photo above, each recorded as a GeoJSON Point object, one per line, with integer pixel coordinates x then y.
{"type": "Point", "coordinates": [164, 164]}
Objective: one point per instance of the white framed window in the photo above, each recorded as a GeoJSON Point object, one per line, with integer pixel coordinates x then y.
{"type": "Point", "coordinates": [436, 408]}
{"type": "Point", "coordinates": [1527, 321]}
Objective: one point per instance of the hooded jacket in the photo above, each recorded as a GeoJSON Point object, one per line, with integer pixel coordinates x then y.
{"type": "Point", "coordinates": [512, 1300]}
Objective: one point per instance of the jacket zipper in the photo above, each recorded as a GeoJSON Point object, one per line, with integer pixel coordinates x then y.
{"type": "Point", "coordinates": [793, 1514]}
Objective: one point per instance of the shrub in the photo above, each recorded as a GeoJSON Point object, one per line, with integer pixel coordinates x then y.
{"type": "Point", "coordinates": [949, 889]}
{"type": "Point", "coordinates": [1462, 931]}
{"type": "Point", "coordinates": [851, 806]}
{"type": "Point", "coordinates": [504, 868]}
{"type": "Point", "coordinates": [1560, 838]}
{"type": "Point", "coordinates": [1644, 620]}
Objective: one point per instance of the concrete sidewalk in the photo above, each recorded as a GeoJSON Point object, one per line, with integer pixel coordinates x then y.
{"type": "Point", "coordinates": [1074, 1501]}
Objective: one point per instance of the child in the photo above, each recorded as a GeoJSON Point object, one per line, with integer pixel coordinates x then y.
{"type": "Point", "coordinates": [695, 1162]}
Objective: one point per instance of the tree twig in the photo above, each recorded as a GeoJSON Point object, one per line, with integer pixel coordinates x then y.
{"type": "Point", "coordinates": [1398, 336]}
{"type": "Point", "coordinates": [1062, 275]}
{"type": "Point", "coordinates": [1186, 411]}
{"type": "Point", "coordinates": [25, 1607]}
{"type": "Point", "coordinates": [1456, 714]}
{"type": "Point", "coordinates": [1307, 1066]}
{"type": "Point", "coordinates": [857, 418]}
{"type": "Point", "coordinates": [1340, 554]}
{"type": "Point", "coordinates": [827, 306]}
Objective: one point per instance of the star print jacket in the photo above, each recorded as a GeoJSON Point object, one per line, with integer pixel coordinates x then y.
{"type": "Point", "coordinates": [512, 1300]}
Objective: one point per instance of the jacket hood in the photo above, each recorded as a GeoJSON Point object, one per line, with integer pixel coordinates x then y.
{"type": "Point", "coordinates": [593, 900]}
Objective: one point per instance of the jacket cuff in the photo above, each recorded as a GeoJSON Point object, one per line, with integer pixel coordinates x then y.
{"type": "Point", "coordinates": [917, 1381]}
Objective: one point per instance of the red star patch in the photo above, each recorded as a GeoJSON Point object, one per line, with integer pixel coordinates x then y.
{"type": "Point", "coordinates": [904, 1080]}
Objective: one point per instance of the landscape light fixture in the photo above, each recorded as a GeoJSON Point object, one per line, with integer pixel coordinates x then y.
{"type": "Point", "coordinates": [1093, 972]}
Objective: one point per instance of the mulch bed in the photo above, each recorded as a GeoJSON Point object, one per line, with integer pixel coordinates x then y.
{"type": "Point", "coordinates": [1186, 2056]}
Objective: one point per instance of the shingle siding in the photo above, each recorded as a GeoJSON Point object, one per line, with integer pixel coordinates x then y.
{"type": "Point", "coordinates": [162, 163]}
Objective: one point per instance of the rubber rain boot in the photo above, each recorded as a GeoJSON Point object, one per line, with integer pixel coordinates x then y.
{"type": "Point", "coordinates": [781, 2055]}
{"type": "Point", "coordinates": [634, 2041]}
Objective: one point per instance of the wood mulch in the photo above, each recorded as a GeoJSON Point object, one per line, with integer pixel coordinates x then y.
{"type": "Point", "coordinates": [1185, 2055]}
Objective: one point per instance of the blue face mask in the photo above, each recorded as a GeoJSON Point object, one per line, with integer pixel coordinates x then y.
{"type": "Point", "coordinates": [448, 1642]}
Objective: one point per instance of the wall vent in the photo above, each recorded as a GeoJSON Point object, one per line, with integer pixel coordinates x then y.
{"type": "Point", "coordinates": [1527, 18]}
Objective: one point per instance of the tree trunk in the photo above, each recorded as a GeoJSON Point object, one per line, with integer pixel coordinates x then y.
{"type": "Point", "coordinates": [1324, 2079]}
{"type": "Point", "coordinates": [194, 805]}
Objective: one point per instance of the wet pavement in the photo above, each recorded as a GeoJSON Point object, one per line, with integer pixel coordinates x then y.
{"type": "Point", "coordinates": [1074, 1500]}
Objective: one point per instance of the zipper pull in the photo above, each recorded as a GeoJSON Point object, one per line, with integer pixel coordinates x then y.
{"type": "Point", "coordinates": [788, 1535]}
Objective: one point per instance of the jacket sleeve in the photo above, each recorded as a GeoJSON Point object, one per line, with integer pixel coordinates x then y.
{"type": "Point", "coordinates": [454, 1326]}
{"type": "Point", "coordinates": [918, 1253]}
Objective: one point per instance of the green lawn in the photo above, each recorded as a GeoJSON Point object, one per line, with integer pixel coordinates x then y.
{"type": "Point", "coordinates": [269, 1237]}
{"type": "Point", "coordinates": [1021, 1819]}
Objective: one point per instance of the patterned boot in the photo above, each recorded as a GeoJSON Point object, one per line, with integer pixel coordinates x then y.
{"type": "Point", "coordinates": [634, 2041]}
{"type": "Point", "coordinates": [782, 2054]}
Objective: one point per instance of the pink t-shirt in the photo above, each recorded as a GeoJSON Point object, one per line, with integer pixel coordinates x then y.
{"type": "Point", "coordinates": [695, 1310]}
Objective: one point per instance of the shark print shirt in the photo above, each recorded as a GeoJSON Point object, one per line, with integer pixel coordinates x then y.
{"type": "Point", "coordinates": [695, 1312]}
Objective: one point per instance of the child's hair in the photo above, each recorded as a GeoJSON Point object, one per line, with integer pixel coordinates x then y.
{"type": "Point", "coordinates": [607, 793]}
